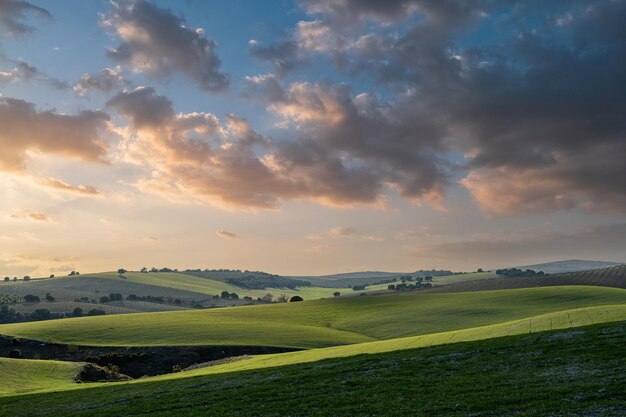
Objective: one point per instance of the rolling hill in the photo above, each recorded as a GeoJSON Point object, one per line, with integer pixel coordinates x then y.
{"type": "Point", "coordinates": [572, 265]}
{"type": "Point", "coordinates": [607, 277]}
{"type": "Point", "coordinates": [318, 323]}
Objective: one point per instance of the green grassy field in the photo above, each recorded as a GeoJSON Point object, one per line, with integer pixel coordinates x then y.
{"type": "Point", "coordinates": [319, 323]}
{"type": "Point", "coordinates": [566, 373]}
{"type": "Point", "coordinates": [19, 376]}
{"type": "Point", "coordinates": [211, 287]}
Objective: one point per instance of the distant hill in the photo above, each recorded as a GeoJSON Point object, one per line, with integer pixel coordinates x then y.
{"type": "Point", "coordinates": [606, 277]}
{"type": "Point", "coordinates": [350, 279]}
{"type": "Point", "coordinates": [571, 265]}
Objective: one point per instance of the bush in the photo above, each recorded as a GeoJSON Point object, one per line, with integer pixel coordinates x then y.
{"type": "Point", "coordinates": [49, 298]}
{"type": "Point", "coordinates": [77, 312]}
{"type": "Point", "coordinates": [41, 314]}
{"type": "Point", "coordinates": [30, 298]}
{"type": "Point", "coordinates": [15, 353]}
{"type": "Point", "coordinates": [295, 298]}
{"type": "Point", "coordinates": [104, 299]}
{"type": "Point", "coordinates": [96, 312]}
{"type": "Point", "coordinates": [336, 294]}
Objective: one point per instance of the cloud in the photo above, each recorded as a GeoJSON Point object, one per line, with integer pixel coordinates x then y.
{"type": "Point", "coordinates": [536, 106]}
{"type": "Point", "coordinates": [24, 72]}
{"type": "Point", "coordinates": [24, 129]}
{"type": "Point", "coordinates": [29, 214]}
{"type": "Point", "coordinates": [158, 43]}
{"type": "Point", "coordinates": [283, 56]}
{"type": "Point", "coordinates": [226, 234]}
{"type": "Point", "coordinates": [40, 217]}
{"type": "Point", "coordinates": [106, 80]}
{"type": "Point", "coordinates": [343, 12]}
{"type": "Point", "coordinates": [13, 13]}
{"type": "Point", "coordinates": [62, 185]}
{"type": "Point", "coordinates": [341, 231]}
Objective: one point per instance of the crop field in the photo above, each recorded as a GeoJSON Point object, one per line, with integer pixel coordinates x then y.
{"type": "Point", "coordinates": [319, 323]}
{"type": "Point", "coordinates": [606, 277]}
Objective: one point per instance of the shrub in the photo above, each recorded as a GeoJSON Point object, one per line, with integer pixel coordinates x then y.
{"type": "Point", "coordinates": [30, 298]}
{"type": "Point", "coordinates": [15, 353]}
{"type": "Point", "coordinates": [104, 299]}
{"type": "Point", "coordinates": [295, 298]}
{"type": "Point", "coordinates": [336, 294]}
{"type": "Point", "coordinates": [96, 312]}
{"type": "Point", "coordinates": [77, 312]}
{"type": "Point", "coordinates": [41, 314]}
{"type": "Point", "coordinates": [49, 298]}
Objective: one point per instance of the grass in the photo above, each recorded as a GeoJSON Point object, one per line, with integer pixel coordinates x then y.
{"type": "Point", "coordinates": [606, 277]}
{"type": "Point", "coordinates": [19, 375]}
{"type": "Point", "coordinates": [211, 287]}
{"type": "Point", "coordinates": [319, 323]}
{"type": "Point", "coordinates": [565, 373]}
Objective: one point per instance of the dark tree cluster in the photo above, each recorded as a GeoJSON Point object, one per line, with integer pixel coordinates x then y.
{"type": "Point", "coordinates": [516, 272]}
{"type": "Point", "coordinates": [261, 282]}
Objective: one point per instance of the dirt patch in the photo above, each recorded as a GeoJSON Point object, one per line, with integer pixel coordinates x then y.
{"type": "Point", "coordinates": [134, 361]}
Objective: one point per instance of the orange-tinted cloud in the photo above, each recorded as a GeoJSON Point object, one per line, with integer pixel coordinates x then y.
{"type": "Point", "coordinates": [226, 234]}
{"type": "Point", "coordinates": [62, 185]}
{"type": "Point", "coordinates": [25, 129]}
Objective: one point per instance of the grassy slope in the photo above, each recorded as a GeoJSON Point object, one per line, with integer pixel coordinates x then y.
{"type": "Point", "coordinates": [571, 373]}
{"type": "Point", "coordinates": [19, 375]}
{"type": "Point", "coordinates": [211, 287]}
{"type": "Point", "coordinates": [319, 323]}
{"type": "Point", "coordinates": [606, 277]}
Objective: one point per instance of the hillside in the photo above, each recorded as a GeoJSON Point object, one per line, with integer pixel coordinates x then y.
{"type": "Point", "coordinates": [606, 277]}
{"type": "Point", "coordinates": [319, 323]}
{"type": "Point", "coordinates": [572, 265]}
{"type": "Point", "coordinates": [350, 279]}
{"type": "Point", "coordinates": [481, 376]}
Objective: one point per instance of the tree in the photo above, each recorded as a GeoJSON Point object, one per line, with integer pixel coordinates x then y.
{"type": "Point", "coordinates": [391, 287]}
{"type": "Point", "coordinates": [144, 270]}
{"type": "Point", "coordinates": [14, 279]}
{"type": "Point", "coordinates": [30, 298]}
{"type": "Point", "coordinates": [26, 278]}
{"type": "Point", "coordinates": [153, 269]}
{"type": "Point", "coordinates": [104, 299]}
{"type": "Point", "coordinates": [77, 312]}
{"type": "Point", "coordinates": [71, 274]}
{"type": "Point", "coordinates": [479, 270]}
{"type": "Point", "coordinates": [121, 271]}
{"type": "Point", "coordinates": [268, 297]}
{"type": "Point", "coordinates": [41, 314]}
{"type": "Point", "coordinates": [336, 294]}
{"type": "Point", "coordinates": [225, 294]}
{"type": "Point", "coordinates": [49, 298]}
{"type": "Point", "coordinates": [295, 298]}
{"type": "Point", "coordinates": [7, 279]}
{"type": "Point", "coordinates": [282, 298]}
{"type": "Point", "coordinates": [96, 312]}
{"type": "Point", "coordinates": [234, 296]}
{"type": "Point", "coordinates": [51, 275]}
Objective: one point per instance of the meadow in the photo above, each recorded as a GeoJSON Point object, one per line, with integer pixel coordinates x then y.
{"type": "Point", "coordinates": [318, 323]}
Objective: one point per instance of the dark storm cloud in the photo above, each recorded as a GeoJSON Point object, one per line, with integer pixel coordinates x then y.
{"type": "Point", "coordinates": [536, 104]}
{"type": "Point", "coordinates": [13, 15]}
{"type": "Point", "coordinates": [158, 43]}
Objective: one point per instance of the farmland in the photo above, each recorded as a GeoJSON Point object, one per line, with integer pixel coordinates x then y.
{"type": "Point", "coordinates": [319, 323]}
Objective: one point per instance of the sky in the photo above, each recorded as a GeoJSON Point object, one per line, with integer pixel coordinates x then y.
{"type": "Point", "coordinates": [306, 137]}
